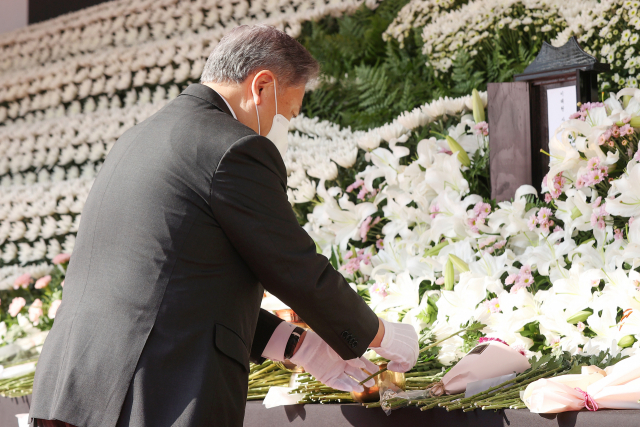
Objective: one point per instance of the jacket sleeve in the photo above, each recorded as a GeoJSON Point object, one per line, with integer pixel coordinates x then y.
{"type": "Point", "coordinates": [249, 201]}
{"type": "Point", "coordinates": [267, 324]}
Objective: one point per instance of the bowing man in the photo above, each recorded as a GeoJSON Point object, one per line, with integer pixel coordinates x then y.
{"type": "Point", "coordinates": [187, 223]}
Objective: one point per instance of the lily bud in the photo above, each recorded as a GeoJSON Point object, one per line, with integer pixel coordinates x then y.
{"type": "Point", "coordinates": [436, 249]}
{"type": "Point", "coordinates": [460, 265]}
{"type": "Point", "coordinates": [575, 213]}
{"type": "Point", "coordinates": [457, 148]}
{"type": "Point", "coordinates": [627, 341]}
{"type": "Point", "coordinates": [635, 122]}
{"type": "Point", "coordinates": [625, 100]}
{"type": "Point", "coordinates": [478, 107]}
{"type": "Point", "coordinates": [580, 316]}
{"type": "Point", "coordinates": [448, 275]}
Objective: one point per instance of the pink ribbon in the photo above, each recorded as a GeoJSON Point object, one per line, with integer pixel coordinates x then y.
{"type": "Point", "coordinates": [589, 402]}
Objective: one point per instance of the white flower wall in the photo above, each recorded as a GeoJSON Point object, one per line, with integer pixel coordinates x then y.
{"type": "Point", "coordinates": [69, 87]}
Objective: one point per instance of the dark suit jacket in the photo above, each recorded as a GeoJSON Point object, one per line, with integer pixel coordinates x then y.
{"type": "Point", "coordinates": [186, 222]}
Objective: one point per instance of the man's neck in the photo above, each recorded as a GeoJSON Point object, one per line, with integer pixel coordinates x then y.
{"type": "Point", "coordinates": [235, 96]}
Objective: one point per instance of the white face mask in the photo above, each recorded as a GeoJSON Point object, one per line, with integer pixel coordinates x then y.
{"type": "Point", "coordinates": [279, 133]}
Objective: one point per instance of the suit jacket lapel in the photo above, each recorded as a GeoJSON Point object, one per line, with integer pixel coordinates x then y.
{"type": "Point", "coordinates": [209, 95]}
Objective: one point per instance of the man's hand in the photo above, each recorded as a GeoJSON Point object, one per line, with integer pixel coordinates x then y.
{"type": "Point", "coordinates": [399, 344]}
{"type": "Point", "coordinates": [321, 361]}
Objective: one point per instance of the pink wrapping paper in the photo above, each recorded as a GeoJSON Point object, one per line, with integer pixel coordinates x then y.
{"type": "Point", "coordinates": [616, 387]}
{"type": "Point", "coordinates": [496, 360]}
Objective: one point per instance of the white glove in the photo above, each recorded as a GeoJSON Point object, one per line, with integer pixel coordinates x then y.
{"type": "Point", "coordinates": [399, 345]}
{"type": "Point", "coordinates": [323, 362]}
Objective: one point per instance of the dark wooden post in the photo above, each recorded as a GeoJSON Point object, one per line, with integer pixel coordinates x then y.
{"type": "Point", "coordinates": [568, 67]}
{"type": "Point", "coordinates": [510, 155]}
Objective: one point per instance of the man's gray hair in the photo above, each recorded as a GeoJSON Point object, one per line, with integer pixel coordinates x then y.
{"type": "Point", "coordinates": [246, 49]}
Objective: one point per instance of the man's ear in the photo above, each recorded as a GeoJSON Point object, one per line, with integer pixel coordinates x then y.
{"type": "Point", "coordinates": [260, 81]}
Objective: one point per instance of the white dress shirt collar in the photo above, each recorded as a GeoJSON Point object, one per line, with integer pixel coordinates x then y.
{"type": "Point", "coordinates": [226, 102]}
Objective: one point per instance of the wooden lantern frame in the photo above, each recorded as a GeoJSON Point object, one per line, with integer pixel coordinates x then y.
{"type": "Point", "coordinates": [518, 114]}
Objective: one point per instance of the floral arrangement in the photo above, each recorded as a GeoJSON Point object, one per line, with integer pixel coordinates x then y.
{"type": "Point", "coordinates": [474, 26]}
{"type": "Point", "coordinates": [545, 275]}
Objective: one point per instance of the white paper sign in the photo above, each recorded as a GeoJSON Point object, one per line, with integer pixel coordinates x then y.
{"type": "Point", "coordinates": [561, 103]}
{"type": "Point", "coordinates": [279, 396]}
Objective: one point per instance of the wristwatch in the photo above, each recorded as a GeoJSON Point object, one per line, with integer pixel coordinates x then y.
{"type": "Point", "coordinates": [293, 342]}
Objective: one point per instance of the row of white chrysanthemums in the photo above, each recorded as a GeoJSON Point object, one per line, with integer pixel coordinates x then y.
{"type": "Point", "coordinates": [449, 26]}
{"type": "Point", "coordinates": [428, 201]}
{"type": "Point", "coordinates": [134, 22]}
{"type": "Point", "coordinates": [174, 57]}
{"type": "Point", "coordinates": [48, 166]}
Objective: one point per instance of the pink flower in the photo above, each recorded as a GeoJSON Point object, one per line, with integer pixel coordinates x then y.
{"type": "Point", "coordinates": [595, 176]}
{"type": "Point", "coordinates": [617, 234]}
{"type": "Point", "coordinates": [533, 221]}
{"type": "Point", "coordinates": [597, 216]}
{"type": "Point", "coordinates": [593, 163]}
{"type": "Point", "coordinates": [544, 215]}
{"type": "Point", "coordinates": [558, 183]}
{"type": "Point", "coordinates": [352, 266]}
{"type": "Point", "coordinates": [520, 349]}
{"type": "Point", "coordinates": [521, 280]}
{"type": "Point", "coordinates": [558, 229]}
{"type": "Point", "coordinates": [486, 242]}
{"type": "Point", "coordinates": [22, 281]}
{"type": "Point", "coordinates": [615, 131]}
{"type": "Point", "coordinates": [62, 284]}
{"type": "Point", "coordinates": [366, 259]}
{"type": "Point", "coordinates": [43, 282]}
{"type": "Point", "coordinates": [359, 183]}
{"type": "Point", "coordinates": [492, 306]}
{"type": "Point", "coordinates": [626, 130]}
{"type": "Point", "coordinates": [525, 280]}
{"type": "Point", "coordinates": [487, 339]}
{"type": "Point", "coordinates": [16, 305]}
{"type": "Point", "coordinates": [548, 198]}
{"type": "Point", "coordinates": [511, 279]}
{"type": "Point", "coordinates": [473, 224]}
{"type": "Point", "coordinates": [482, 128]}
{"type": "Point", "coordinates": [500, 244]}
{"type": "Point", "coordinates": [379, 244]}
{"type": "Point", "coordinates": [379, 289]}
{"type": "Point", "coordinates": [364, 228]}
{"type": "Point", "coordinates": [581, 326]}
{"type": "Point", "coordinates": [61, 258]}
{"type": "Point", "coordinates": [53, 309]}
{"type": "Point", "coordinates": [440, 281]}
{"type": "Point", "coordinates": [482, 210]}
{"type": "Point", "coordinates": [636, 156]}
{"type": "Point", "coordinates": [434, 210]}
{"type": "Point", "coordinates": [35, 311]}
